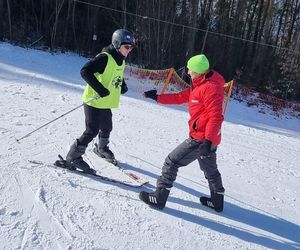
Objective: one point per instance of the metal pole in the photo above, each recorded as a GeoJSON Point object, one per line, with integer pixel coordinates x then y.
{"type": "Point", "coordinates": [18, 140]}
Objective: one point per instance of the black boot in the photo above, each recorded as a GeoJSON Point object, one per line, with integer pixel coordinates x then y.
{"type": "Point", "coordinates": [74, 157]}
{"type": "Point", "coordinates": [102, 150]}
{"type": "Point", "coordinates": [216, 201]}
{"type": "Point", "coordinates": [156, 199]}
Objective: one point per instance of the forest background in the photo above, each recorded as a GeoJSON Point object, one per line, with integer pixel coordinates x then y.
{"type": "Point", "coordinates": [256, 42]}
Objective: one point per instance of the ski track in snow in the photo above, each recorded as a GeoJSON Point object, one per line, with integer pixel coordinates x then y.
{"type": "Point", "coordinates": [42, 207]}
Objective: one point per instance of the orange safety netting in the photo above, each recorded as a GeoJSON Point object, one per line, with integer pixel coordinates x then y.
{"type": "Point", "coordinates": [169, 80]}
{"type": "Point", "coordinates": [263, 101]}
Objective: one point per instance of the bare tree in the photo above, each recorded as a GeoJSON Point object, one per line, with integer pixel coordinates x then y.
{"type": "Point", "coordinates": [1, 15]}
{"type": "Point", "coordinates": [58, 6]}
{"type": "Point", "coordinates": [190, 43]}
{"type": "Point", "coordinates": [9, 19]}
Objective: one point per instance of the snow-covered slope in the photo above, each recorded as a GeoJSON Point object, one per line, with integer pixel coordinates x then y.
{"type": "Point", "coordinates": [42, 207]}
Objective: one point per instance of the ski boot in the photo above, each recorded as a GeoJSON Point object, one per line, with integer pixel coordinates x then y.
{"type": "Point", "coordinates": [74, 159]}
{"type": "Point", "coordinates": [216, 201]}
{"type": "Point", "coordinates": [155, 199]}
{"type": "Point", "coordinates": [103, 151]}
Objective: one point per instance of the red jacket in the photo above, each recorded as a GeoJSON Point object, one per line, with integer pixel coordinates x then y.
{"type": "Point", "coordinates": [205, 102]}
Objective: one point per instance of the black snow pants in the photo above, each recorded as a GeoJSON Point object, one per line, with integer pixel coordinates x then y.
{"type": "Point", "coordinates": [97, 121]}
{"type": "Point", "coordinates": [184, 154]}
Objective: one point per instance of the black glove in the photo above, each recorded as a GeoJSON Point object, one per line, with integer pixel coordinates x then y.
{"type": "Point", "coordinates": [124, 88]}
{"type": "Point", "coordinates": [205, 149]}
{"type": "Point", "coordinates": [103, 92]}
{"type": "Point", "coordinates": [151, 94]}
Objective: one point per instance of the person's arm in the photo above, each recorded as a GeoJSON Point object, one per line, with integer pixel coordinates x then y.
{"type": "Point", "coordinates": [93, 66]}
{"type": "Point", "coordinates": [178, 98]}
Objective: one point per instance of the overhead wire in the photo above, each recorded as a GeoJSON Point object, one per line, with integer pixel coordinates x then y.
{"type": "Point", "coordinates": [188, 27]}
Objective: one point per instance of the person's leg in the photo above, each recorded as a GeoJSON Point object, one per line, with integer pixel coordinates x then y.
{"type": "Point", "coordinates": [209, 167]}
{"type": "Point", "coordinates": [106, 125]}
{"type": "Point", "coordinates": [93, 117]}
{"type": "Point", "coordinates": [102, 148]}
{"type": "Point", "coordinates": [78, 148]}
{"type": "Point", "coordinates": [182, 155]}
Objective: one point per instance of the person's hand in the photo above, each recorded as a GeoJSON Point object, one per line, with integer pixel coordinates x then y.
{"type": "Point", "coordinates": [205, 149]}
{"type": "Point", "coordinates": [151, 94]}
{"type": "Point", "coordinates": [104, 92]}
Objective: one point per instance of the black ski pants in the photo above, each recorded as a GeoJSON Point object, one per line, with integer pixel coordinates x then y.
{"type": "Point", "coordinates": [97, 122]}
{"type": "Point", "coordinates": [184, 154]}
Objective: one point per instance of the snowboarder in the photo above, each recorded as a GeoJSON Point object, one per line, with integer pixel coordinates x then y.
{"type": "Point", "coordinates": [104, 77]}
{"type": "Point", "coordinates": [205, 100]}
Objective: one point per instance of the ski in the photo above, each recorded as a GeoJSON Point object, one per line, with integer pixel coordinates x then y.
{"type": "Point", "coordinates": [126, 172]}
{"type": "Point", "coordinates": [131, 175]}
{"type": "Point", "coordinates": [61, 164]}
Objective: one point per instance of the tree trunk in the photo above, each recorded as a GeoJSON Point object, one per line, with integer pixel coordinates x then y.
{"type": "Point", "coordinates": [124, 5]}
{"type": "Point", "coordinates": [296, 11]}
{"type": "Point", "coordinates": [192, 32]}
{"type": "Point", "coordinates": [74, 26]}
{"type": "Point", "coordinates": [1, 15]}
{"type": "Point", "coordinates": [281, 21]}
{"type": "Point", "coordinates": [58, 7]}
{"type": "Point", "coordinates": [9, 19]}
{"type": "Point", "coordinates": [65, 44]}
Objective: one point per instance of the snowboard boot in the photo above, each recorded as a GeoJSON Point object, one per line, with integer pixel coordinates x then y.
{"type": "Point", "coordinates": [216, 201]}
{"type": "Point", "coordinates": [74, 158]}
{"type": "Point", "coordinates": [155, 199]}
{"type": "Point", "coordinates": [102, 150]}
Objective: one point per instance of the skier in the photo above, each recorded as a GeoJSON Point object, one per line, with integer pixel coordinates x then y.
{"type": "Point", "coordinates": [104, 77]}
{"type": "Point", "coordinates": [205, 100]}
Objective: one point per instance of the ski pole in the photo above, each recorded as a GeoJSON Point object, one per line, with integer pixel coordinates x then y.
{"type": "Point", "coordinates": [18, 140]}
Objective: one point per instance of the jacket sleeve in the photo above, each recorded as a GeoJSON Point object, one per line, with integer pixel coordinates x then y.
{"type": "Point", "coordinates": [178, 98]}
{"type": "Point", "coordinates": [97, 64]}
{"type": "Point", "coordinates": [213, 103]}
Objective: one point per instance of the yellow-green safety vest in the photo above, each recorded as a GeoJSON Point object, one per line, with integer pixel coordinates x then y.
{"type": "Point", "coordinates": [112, 79]}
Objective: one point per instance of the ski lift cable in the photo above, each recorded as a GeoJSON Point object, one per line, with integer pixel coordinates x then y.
{"type": "Point", "coordinates": [189, 27]}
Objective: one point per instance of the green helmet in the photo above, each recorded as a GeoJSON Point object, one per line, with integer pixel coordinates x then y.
{"type": "Point", "coordinates": [198, 64]}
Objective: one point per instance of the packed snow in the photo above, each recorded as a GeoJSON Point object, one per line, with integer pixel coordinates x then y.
{"type": "Point", "coordinates": [43, 207]}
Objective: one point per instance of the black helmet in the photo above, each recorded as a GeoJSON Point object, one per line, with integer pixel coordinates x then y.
{"type": "Point", "coordinates": [122, 36]}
